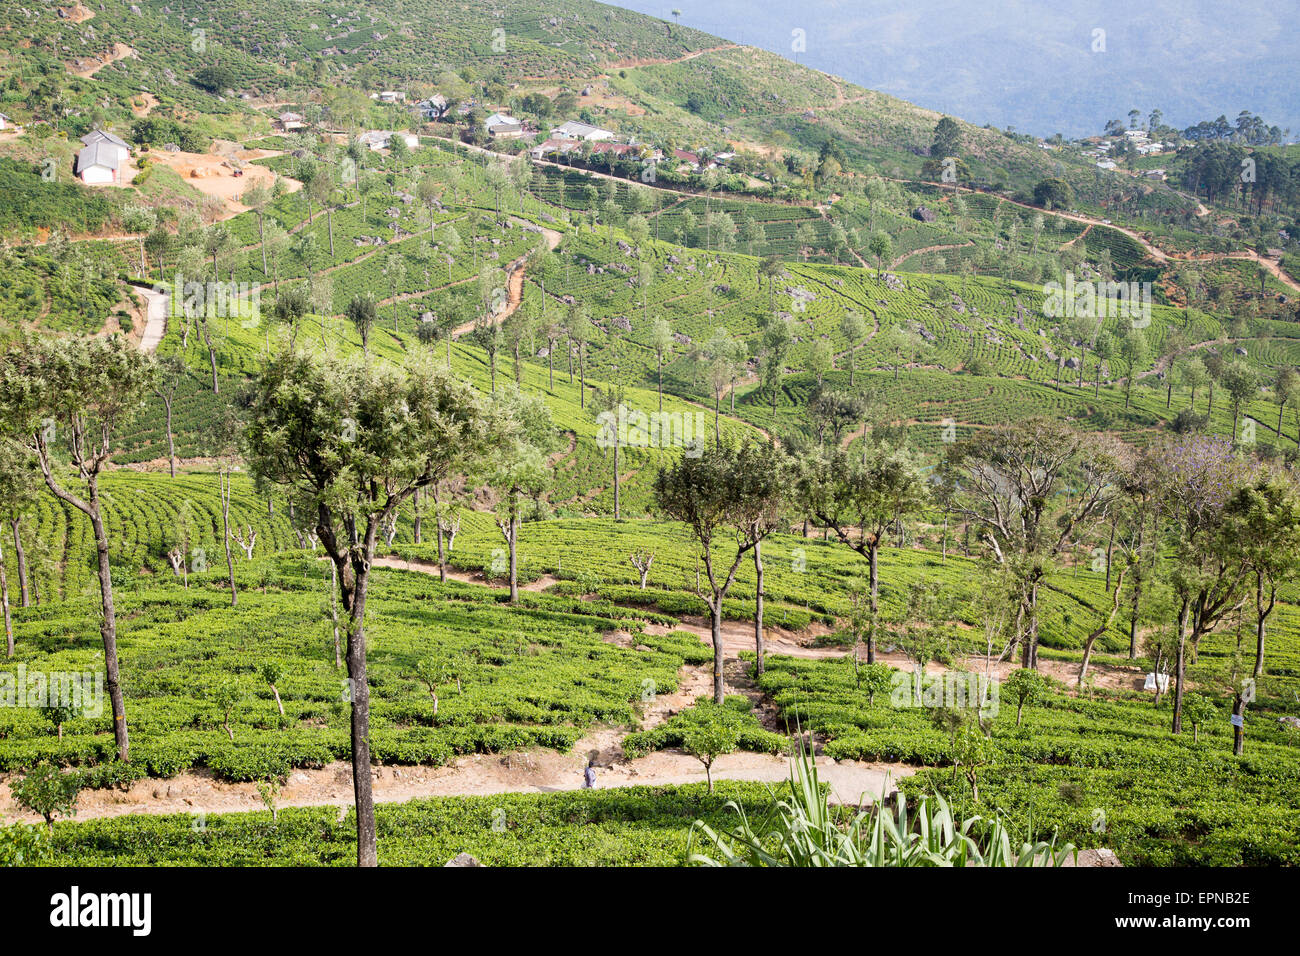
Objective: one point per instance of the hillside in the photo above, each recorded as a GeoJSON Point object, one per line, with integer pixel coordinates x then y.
{"type": "Point", "coordinates": [464, 415]}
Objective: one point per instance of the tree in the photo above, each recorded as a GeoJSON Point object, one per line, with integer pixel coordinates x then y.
{"type": "Point", "coordinates": [720, 356]}
{"type": "Point", "coordinates": [1242, 382]}
{"type": "Point", "coordinates": [770, 268]}
{"type": "Point", "coordinates": [1197, 477]}
{"type": "Point", "coordinates": [1286, 390]}
{"type": "Point", "coordinates": [923, 631]}
{"type": "Point", "coordinates": [854, 327]}
{"type": "Point", "coordinates": [139, 220]}
{"type": "Point", "coordinates": [881, 248]}
{"type": "Point", "coordinates": [20, 479]}
{"type": "Point", "coordinates": [521, 468]}
{"type": "Point", "coordinates": [1131, 350]}
{"type": "Point", "coordinates": [821, 359]}
{"type": "Point", "coordinates": [1200, 711]}
{"type": "Point", "coordinates": [1031, 487]}
{"type": "Point", "coordinates": [291, 304]}
{"type": "Point", "coordinates": [709, 737]}
{"type": "Point", "coordinates": [859, 500]}
{"type": "Point", "coordinates": [947, 138]}
{"type": "Point", "coordinates": [76, 393]}
{"type": "Point", "coordinates": [48, 791]}
{"type": "Point", "coordinates": [1053, 193]}
{"type": "Point", "coordinates": [1024, 686]}
{"type": "Point", "coordinates": [1195, 376]}
{"type": "Point", "coordinates": [1263, 519]}
{"type": "Point", "coordinates": [363, 313]}
{"type": "Point", "coordinates": [273, 672]}
{"type": "Point", "coordinates": [661, 340]}
{"type": "Point", "coordinates": [171, 373]}
{"type": "Point", "coordinates": [719, 490]}
{"type": "Point", "coordinates": [776, 342]}
{"type": "Point", "coordinates": [226, 445]}
{"type": "Point", "coordinates": [351, 443]}
{"type": "Point", "coordinates": [395, 269]}
{"type": "Point", "coordinates": [487, 335]}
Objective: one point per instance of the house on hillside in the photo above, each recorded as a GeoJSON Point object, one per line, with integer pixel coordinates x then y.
{"type": "Point", "coordinates": [1106, 164]}
{"type": "Point", "coordinates": [289, 122]}
{"type": "Point", "coordinates": [389, 96]}
{"type": "Point", "coordinates": [5, 121]}
{"type": "Point", "coordinates": [432, 108]}
{"type": "Point", "coordinates": [501, 126]}
{"type": "Point", "coordinates": [687, 158]}
{"type": "Point", "coordinates": [112, 143]}
{"type": "Point", "coordinates": [100, 164]}
{"type": "Point", "coordinates": [553, 146]}
{"type": "Point", "coordinates": [621, 150]}
{"type": "Point", "coordinates": [378, 139]}
{"type": "Point", "coordinates": [583, 131]}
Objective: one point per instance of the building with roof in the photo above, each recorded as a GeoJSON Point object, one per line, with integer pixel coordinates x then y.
{"type": "Point", "coordinates": [501, 126]}
{"type": "Point", "coordinates": [573, 129]}
{"type": "Point", "coordinates": [378, 139]}
{"type": "Point", "coordinates": [100, 164]}
{"type": "Point", "coordinates": [289, 122]}
{"type": "Point", "coordinates": [116, 144]}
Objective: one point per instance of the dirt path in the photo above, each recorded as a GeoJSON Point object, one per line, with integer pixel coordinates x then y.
{"type": "Point", "coordinates": [658, 61]}
{"type": "Point", "coordinates": [1152, 250]}
{"type": "Point", "coordinates": [534, 771]}
{"type": "Point", "coordinates": [924, 249]}
{"type": "Point", "coordinates": [155, 326]}
{"type": "Point", "coordinates": [514, 281]}
{"type": "Point", "coordinates": [120, 51]}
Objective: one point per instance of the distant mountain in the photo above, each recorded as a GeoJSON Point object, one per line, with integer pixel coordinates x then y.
{"type": "Point", "coordinates": [1031, 64]}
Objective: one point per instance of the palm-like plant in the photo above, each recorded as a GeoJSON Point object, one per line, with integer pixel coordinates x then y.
{"type": "Point", "coordinates": [802, 829]}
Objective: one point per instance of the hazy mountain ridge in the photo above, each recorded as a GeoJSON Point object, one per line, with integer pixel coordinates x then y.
{"type": "Point", "coordinates": [1032, 65]}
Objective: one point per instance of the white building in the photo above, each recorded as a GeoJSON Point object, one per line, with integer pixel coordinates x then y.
{"type": "Point", "coordinates": [432, 108]}
{"type": "Point", "coordinates": [501, 126]}
{"type": "Point", "coordinates": [99, 164]}
{"type": "Point", "coordinates": [110, 142]}
{"type": "Point", "coordinates": [581, 131]}
{"type": "Point", "coordinates": [378, 139]}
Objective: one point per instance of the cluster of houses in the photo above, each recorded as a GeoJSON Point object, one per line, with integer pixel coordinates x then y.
{"type": "Point", "coordinates": [570, 137]}
{"type": "Point", "coordinates": [1143, 145]}
{"type": "Point", "coordinates": [101, 158]}
{"type": "Point", "coordinates": [574, 136]}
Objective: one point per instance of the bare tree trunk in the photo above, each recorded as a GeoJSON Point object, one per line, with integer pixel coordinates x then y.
{"type": "Point", "coordinates": [873, 563]}
{"type": "Point", "coordinates": [1238, 728]}
{"type": "Point", "coordinates": [334, 612]}
{"type": "Point", "coordinates": [715, 621]}
{"type": "Point", "coordinates": [224, 477]}
{"type": "Point", "coordinates": [21, 555]}
{"type": "Point", "coordinates": [758, 604]}
{"type": "Point", "coordinates": [354, 604]}
{"type": "Point", "coordinates": [108, 627]}
{"type": "Point", "coordinates": [4, 603]}
{"type": "Point", "coordinates": [442, 556]}
{"type": "Point", "coordinates": [1177, 726]}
